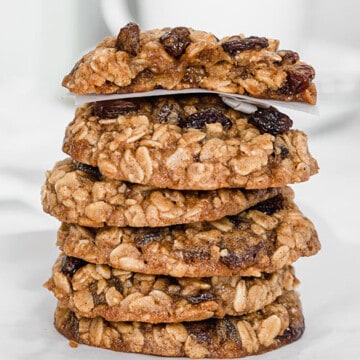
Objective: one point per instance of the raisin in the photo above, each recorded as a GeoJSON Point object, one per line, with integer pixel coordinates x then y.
{"type": "Point", "coordinates": [290, 334]}
{"type": "Point", "coordinates": [71, 325]}
{"type": "Point", "coordinates": [69, 265]}
{"type": "Point", "coordinates": [226, 330]}
{"type": "Point", "coordinates": [193, 75]}
{"type": "Point", "coordinates": [271, 206]}
{"type": "Point", "coordinates": [284, 152]}
{"type": "Point", "coordinates": [288, 57]}
{"type": "Point", "coordinates": [90, 170]}
{"type": "Point", "coordinates": [202, 331]}
{"type": "Point", "coordinates": [240, 223]}
{"type": "Point", "coordinates": [208, 116]}
{"type": "Point", "coordinates": [169, 113]}
{"type": "Point", "coordinates": [244, 72]}
{"type": "Point", "coordinates": [110, 109]}
{"type": "Point", "coordinates": [98, 298]}
{"type": "Point", "coordinates": [247, 257]}
{"type": "Point", "coordinates": [235, 220]}
{"type": "Point", "coordinates": [177, 227]}
{"type": "Point", "coordinates": [281, 152]}
{"type": "Point", "coordinates": [298, 79]}
{"type": "Point", "coordinates": [115, 282]}
{"type": "Point", "coordinates": [202, 297]}
{"type": "Point", "coordinates": [270, 121]}
{"type": "Point", "coordinates": [193, 255]}
{"type": "Point", "coordinates": [176, 41]}
{"type": "Point", "coordinates": [235, 46]}
{"type": "Point", "coordinates": [146, 236]}
{"type": "Point", "coordinates": [145, 75]}
{"type": "Point", "coordinates": [196, 158]}
{"type": "Point", "coordinates": [129, 39]}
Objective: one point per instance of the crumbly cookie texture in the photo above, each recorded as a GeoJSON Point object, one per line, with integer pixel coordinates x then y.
{"type": "Point", "coordinates": [181, 58]}
{"type": "Point", "coordinates": [98, 290]}
{"type": "Point", "coordinates": [276, 325]}
{"type": "Point", "coordinates": [79, 196]}
{"type": "Point", "coordinates": [265, 238]}
{"type": "Point", "coordinates": [189, 142]}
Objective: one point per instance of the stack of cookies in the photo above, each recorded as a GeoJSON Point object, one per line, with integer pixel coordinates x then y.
{"type": "Point", "coordinates": [179, 229]}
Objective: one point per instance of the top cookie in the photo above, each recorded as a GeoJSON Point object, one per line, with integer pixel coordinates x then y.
{"type": "Point", "coordinates": [183, 58]}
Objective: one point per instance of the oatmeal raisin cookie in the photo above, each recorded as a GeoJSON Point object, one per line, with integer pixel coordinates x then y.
{"type": "Point", "coordinates": [189, 143]}
{"type": "Point", "coordinates": [183, 58]}
{"type": "Point", "coordinates": [274, 326]}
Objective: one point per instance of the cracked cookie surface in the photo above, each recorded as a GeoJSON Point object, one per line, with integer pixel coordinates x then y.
{"type": "Point", "coordinates": [181, 58]}
{"type": "Point", "coordinates": [272, 234]}
{"type": "Point", "coordinates": [98, 290]}
{"type": "Point", "coordinates": [75, 193]}
{"type": "Point", "coordinates": [188, 142]}
{"type": "Point", "coordinates": [276, 325]}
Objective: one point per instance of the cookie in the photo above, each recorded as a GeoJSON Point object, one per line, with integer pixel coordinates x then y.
{"type": "Point", "coordinates": [76, 193]}
{"type": "Point", "coordinates": [265, 238]}
{"type": "Point", "coordinates": [189, 143]}
{"type": "Point", "coordinates": [183, 58]}
{"type": "Point", "coordinates": [276, 325]}
{"type": "Point", "coordinates": [93, 290]}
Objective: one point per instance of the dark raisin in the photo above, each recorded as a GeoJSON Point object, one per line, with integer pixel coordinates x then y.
{"type": "Point", "coordinates": [99, 299]}
{"type": "Point", "coordinates": [177, 227]}
{"type": "Point", "coordinates": [115, 282]}
{"type": "Point", "coordinates": [281, 152]}
{"type": "Point", "coordinates": [199, 298]}
{"type": "Point", "coordinates": [247, 257]}
{"type": "Point", "coordinates": [235, 220]}
{"type": "Point", "coordinates": [240, 223]}
{"type": "Point", "coordinates": [146, 236]}
{"type": "Point", "coordinates": [245, 73]}
{"type": "Point", "coordinates": [169, 113]}
{"type": "Point", "coordinates": [288, 57]}
{"type": "Point", "coordinates": [284, 152]}
{"type": "Point", "coordinates": [231, 260]}
{"type": "Point", "coordinates": [163, 115]}
{"type": "Point", "coordinates": [208, 116]}
{"type": "Point", "coordinates": [226, 330]}
{"type": "Point", "coordinates": [71, 326]}
{"type": "Point", "coordinates": [291, 334]}
{"type": "Point", "coordinates": [90, 170]}
{"type": "Point", "coordinates": [250, 43]}
{"type": "Point", "coordinates": [193, 255]}
{"type": "Point", "coordinates": [298, 80]}
{"type": "Point", "coordinates": [110, 109]}
{"type": "Point", "coordinates": [91, 230]}
{"type": "Point", "coordinates": [270, 121]}
{"type": "Point", "coordinates": [271, 206]}
{"type": "Point", "coordinates": [176, 41]}
{"type": "Point", "coordinates": [69, 265]}
{"type": "Point", "coordinates": [129, 39]}
{"type": "Point", "coordinates": [193, 75]}
{"type": "Point", "coordinates": [145, 75]}
{"type": "Point", "coordinates": [202, 331]}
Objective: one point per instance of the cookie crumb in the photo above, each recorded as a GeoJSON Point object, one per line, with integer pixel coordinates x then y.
{"type": "Point", "coordinates": [73, 344]}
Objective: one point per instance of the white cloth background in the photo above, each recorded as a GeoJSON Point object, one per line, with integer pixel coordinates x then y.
{"type": "Point", "coordinates": [34, 112]}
